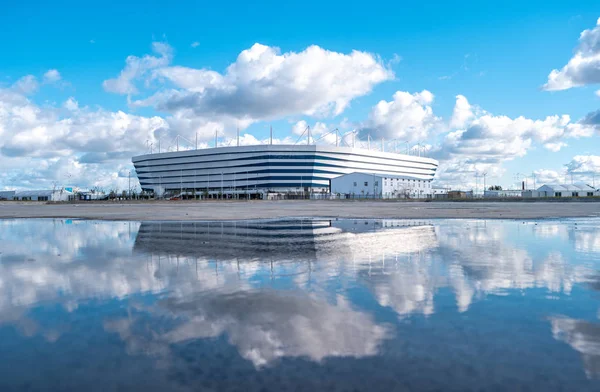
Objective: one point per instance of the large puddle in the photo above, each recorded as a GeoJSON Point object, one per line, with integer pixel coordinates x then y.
{"type": "Point", "coordinates": [300, 305]}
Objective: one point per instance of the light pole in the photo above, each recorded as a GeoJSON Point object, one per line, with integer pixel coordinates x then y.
{"type": "Point", "coordinates": [129, 185]}
{"type": "Point", "coordinates": [221, 185]}
{"type": "Point", "coordinates": [484, 174]}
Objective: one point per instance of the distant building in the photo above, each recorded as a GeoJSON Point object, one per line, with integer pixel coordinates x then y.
{"type": "Point", "coordinates": [439, 192]}
{"type": "Point", "coordinates": [381, 186]}
{"type": "Point", "coordinates": [563, 190]}
{"type": "Point", "coordinates": [460, 194]}
{"type": "Point", "coordinates": [7, 195]}
{"type": "Point", "coordinates": [43, 195]}
{"type": "Point", "coordinates": [92, 195]}
{"type": "Point", "coordinates": [503, 193]}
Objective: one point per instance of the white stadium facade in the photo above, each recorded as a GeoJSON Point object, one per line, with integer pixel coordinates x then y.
{"type": "Point", "coordinates": [253, 171]}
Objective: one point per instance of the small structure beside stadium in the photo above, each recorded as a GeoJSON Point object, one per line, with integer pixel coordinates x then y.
{"type": "Point", "coordinates": [62, 194]}
{"type": "Point", "coordinates": [502, 193]}
{"type": "Point", "coordinates": [378, 186]}
{"type": "Point", "coordinates": [563, 190]}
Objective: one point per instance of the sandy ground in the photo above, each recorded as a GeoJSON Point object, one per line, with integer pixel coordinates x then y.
{"type": "Point", "coordinates": [164, 211]}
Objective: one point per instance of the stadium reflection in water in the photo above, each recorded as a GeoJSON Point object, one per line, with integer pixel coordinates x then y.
{"type": "Point", "coordinates": [300, 304]}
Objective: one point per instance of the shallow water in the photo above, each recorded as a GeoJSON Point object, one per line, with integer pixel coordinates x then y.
{"type": "Point", "coordinates": [300, 305]}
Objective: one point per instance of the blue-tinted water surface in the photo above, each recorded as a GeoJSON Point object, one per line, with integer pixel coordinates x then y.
{"type": "Point", "coordinates": [300, 305]}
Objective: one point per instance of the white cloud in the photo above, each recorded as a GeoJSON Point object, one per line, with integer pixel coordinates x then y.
{"type": "Point", "coordinates": [590, 122]}
{"type": "Point", "coordinates": [408, 117]}
{"type": "Point", "coordinates": [583, 68]}
{"type": "Point", "coordinates": [71, 104]}
{"type": "Point", "coordinates": [136, 68]}
{"type": "Point", "coordinates": [190, 79]}
{"type": "Point", "coordinates": [581, 168]}
{"type": "Point", "coordinates": [52, 76]}
{"type": "Point", "coordinates": [462, 112]}
{"type": "Point", "coordinates": [465, 173]}
{"type": "Point", "coordinates": [545, 176]}
{"type": "Point", "coordinates": [585, 168]}
{"type": "Point", "coordinates": [26, 85]}
{"type": "Point", "coordinates": [317, 129]}
{"type": "Point", "coordinates": [556, 146]}
{"type": "Point", "coordinates": [40, 144]}
{"type": "Point", "coordinates": [484, 140]}
{"type": "Point", "coordinates": [264, 84]}
{"type": "Point", "coordinates": [195, 44]}
{"type": "Point", "coordinates": [501, 137]}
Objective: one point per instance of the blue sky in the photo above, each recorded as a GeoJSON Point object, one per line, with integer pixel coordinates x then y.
{"type": "Point", "coordinates": [497, 58]}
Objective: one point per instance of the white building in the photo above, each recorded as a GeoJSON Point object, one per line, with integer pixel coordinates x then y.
{"type": "Point", "coordinates": [439, 192]}
{"type": "Point", "coordinates": [92, 195]}
{"type": "Point", "coordinates": [44, 195]}
{"type": "Point", "coordinates": [7, 195]}
{"type": "Point", "coordinates": [563, 190]}
{"type": "Point", "coordinates": [359, 185]}
{"type": "Point", "coordinates": [503, 193]}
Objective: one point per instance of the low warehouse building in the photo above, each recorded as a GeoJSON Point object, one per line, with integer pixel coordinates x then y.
{"type": "Point", "coordinates": [44, 195]}
{"type": "Point", "coordinates": [365, 185]}
{"type": "Point", "coordinates": [460, 194]}
{"type": "Point", "coordinates": [503, 193]}
{"type": "Point", "coordinates": [440, 192]}
{"type": "Point", "coordinates": [7, 195]}
{"type": "Point", "coordinates": [563, 190]}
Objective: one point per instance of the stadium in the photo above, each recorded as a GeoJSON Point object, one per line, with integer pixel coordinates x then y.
{"type": "Point", "coordinates": [259, 170]}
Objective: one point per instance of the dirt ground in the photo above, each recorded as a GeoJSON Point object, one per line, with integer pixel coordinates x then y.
{"type": "Point", "coordinates": [232, 210]}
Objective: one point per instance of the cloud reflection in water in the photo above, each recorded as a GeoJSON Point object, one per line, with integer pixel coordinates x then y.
{"type": "Point", "coordinates": [277, 289]}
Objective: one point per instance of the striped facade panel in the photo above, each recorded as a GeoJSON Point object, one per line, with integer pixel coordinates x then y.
{"type": "Point", "coordinates": [270, 167]}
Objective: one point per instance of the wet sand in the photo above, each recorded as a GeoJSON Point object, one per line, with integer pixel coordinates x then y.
{"type": "Point", "coordinates": [224, 210]}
